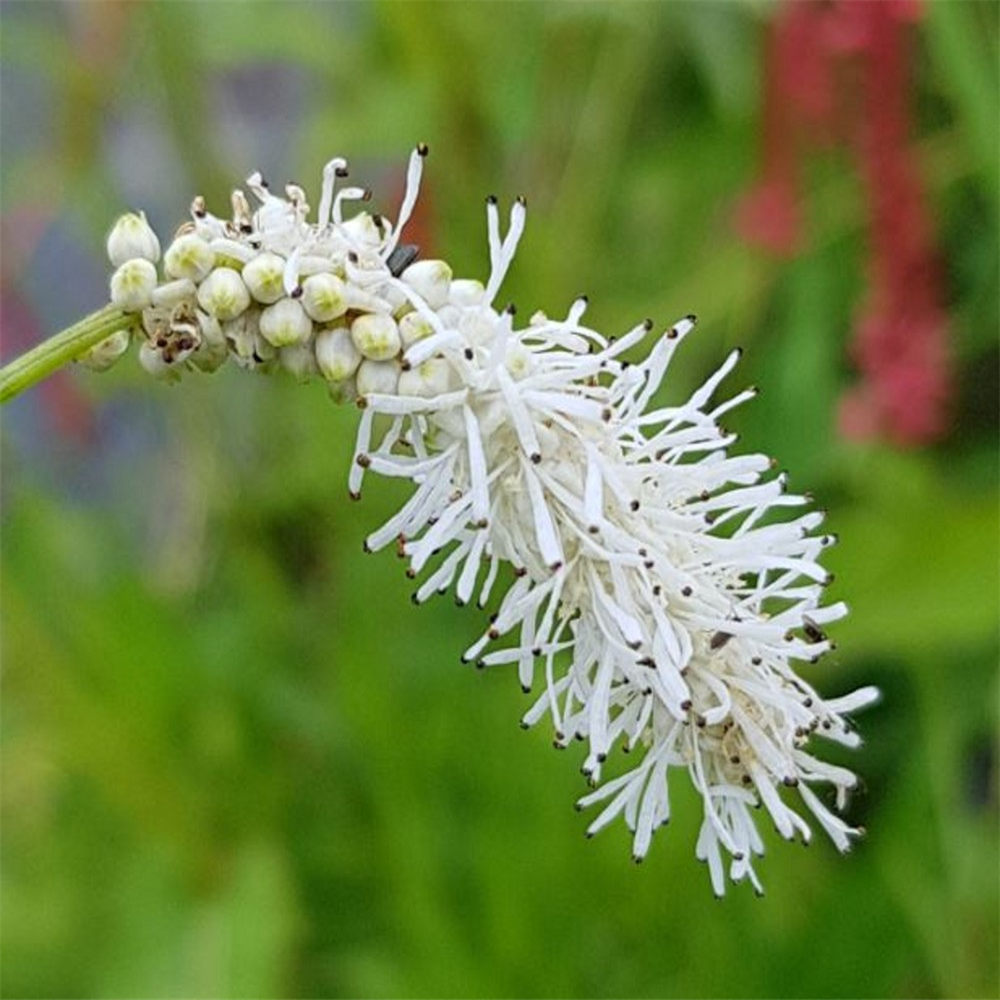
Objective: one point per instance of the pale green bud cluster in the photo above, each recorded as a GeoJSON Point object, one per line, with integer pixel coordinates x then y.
{"type": "Point", "coordinates": [270, 291]}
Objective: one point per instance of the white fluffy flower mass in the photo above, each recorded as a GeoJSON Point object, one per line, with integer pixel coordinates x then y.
{"type": "Point", "coordinates": [658, 591]}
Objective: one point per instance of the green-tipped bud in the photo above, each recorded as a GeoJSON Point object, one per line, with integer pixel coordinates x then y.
{"type": "Point", "coordinates": [132, 285]}
{"type": "Point", "coordinates": [378, 376]}
{"type": "Point", "coordinates": [431, 279]}
{"type": "Point", "coordinates": [376, 336]}
{"type": "Point", "coordinates": [265, 277]}
{"type": "Point", "coordinates": [132, 237]}
{"type": "Point", "coordinates": [223, 294]}
{"type": "Point", "coordinates": [323, 297]}
{"type": "Point", "coordinates": [285, 323]}
{"type": "Point", "coordinates": [190, 257]}
{"type": "Point", "coordinates": [299, 360]}
{"type": "Point", "coordinates": [413, 327]}
{"type": "Point", "coordinates": [466, 292]}
{"type": "Point", "coordinates": [336, 354]}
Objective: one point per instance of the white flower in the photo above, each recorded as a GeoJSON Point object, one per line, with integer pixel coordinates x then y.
{"type": "Point", "coordinates": [663, 612]}
{"type": "Point", "coordinates": [658, 602]}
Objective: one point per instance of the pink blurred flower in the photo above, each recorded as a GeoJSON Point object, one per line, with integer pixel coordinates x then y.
{"type": "Point", "coordinates": [838, 72]}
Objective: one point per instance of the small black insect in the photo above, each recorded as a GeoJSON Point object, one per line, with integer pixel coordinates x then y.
{"type": "Point", "coordinates": [401, 258]}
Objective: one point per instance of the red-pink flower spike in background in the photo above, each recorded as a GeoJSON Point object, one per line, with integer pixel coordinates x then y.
{"type": "Point", "coordinates": [838, 73]}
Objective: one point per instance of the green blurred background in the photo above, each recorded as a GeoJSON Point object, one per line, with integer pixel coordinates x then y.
{"type": "Point", "coordinates": [236, 761]}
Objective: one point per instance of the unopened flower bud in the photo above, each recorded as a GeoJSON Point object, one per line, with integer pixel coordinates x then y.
{"type": "Point", "coordinates": [223, 294]}
{"type": "Point", "coordinates": [172, 293]}
{"type": "Point", "coordinates": [414, 327]}
{"type": "Point", "coordinates": [323, 297]}
{"type": "Point", "coordinates": [189, 256]}
{"type": "Point", "coordinates": [285, 323]}
{"type": "Point", "coordinates": [103, 355]}
{"type": "Point", "coordinates": [376, 336]}
{"type": "Point", "coordinates": [132, 285]}
{"type": "Point", "coordinates": [299, 360]}
{"type": "Point", "coordinates": [432, 378]}
{"type": "Point", "coordinates": [431, 279]}
{"type": "Point", "coordinates": [466, 292]}
{"type": "Point", "coordinates": [131, 237]}
{"type": "Point", "coordinates": [336, 354]}
{"type": "Point", "coordinates": [265, 277]}
{"type": "Point", "coordinates": [378, 376]}
{"type": "Point", "coordinates": [343, 392]}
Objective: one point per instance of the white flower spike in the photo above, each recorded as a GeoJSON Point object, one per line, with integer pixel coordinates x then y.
{"type": "Point", "coordinates": [653, 593]}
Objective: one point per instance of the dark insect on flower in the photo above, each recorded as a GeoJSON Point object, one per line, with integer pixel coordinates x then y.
{"type": "Point", "coordinates": [401, 258]}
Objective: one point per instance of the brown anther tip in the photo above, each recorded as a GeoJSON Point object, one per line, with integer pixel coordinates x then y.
{"type": "Point", "coordinates": [582, 298]}
{"type": "Point", "coordinates": [354, 496]}
{"type": "Point", "coordinates": [469, 354]}
{"type": "Point", "coordinates": [648, 324]}
{"type": "Point", "coordinates": [341, 172]}
{"type": "Point", "coordinates": [366, 194]}
{"type": "Point", "coordinates": [361, 403]}
{"type": "Point", "coordinates": [526, 688]}
{"type": "Point", "coordinates": [422, 149]}
{"type": "Point", "coordinates": [297, 292]}
{"type": "Point", "coordinates": [536, 457]}
{"type": "Point", "coordinates": [633, 506]}
{"type": "Point", "coordinates": [511, 309]}
{"type": "Point", "coordinates": [364, 461]}
{"type": "Point", "coordinates": [556, 566]}
{"type": "Point", "coordinates": [691, 318]}
{"type": "Point", "coordinates": [593, 529]}
{"type": "Point", "coordinates": [686, 591]}
{"type": "Point", "coordinates": [404, 365]}
{"type": "Point", "coordinates": [522, 201]}
{"type": "Point", "coordinates": [411, 574]}
{"type": "Point", "coordinates": [491, 199]}
{"type": "Point", "coordinates": [686, 705]}
{"type": "Point", "coordinates": [352, 257]}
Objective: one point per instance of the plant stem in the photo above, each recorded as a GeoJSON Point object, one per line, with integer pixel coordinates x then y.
{"type": "Point", "coordinates": [52, 354]}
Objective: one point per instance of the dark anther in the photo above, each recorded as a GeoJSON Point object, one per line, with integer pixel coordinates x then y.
{"type": "Point", "coordinates": [648, 324]}
{"type": "Point", "coordinates": [297, 292]}
{"type": "Point", "coordinates": [469, 354]}
{"type": "Point", "coordinates": [719, 640]}
{"type": "Point", "coordinates": [633, 506]}
{"type": "Point", "coordinates": [535, 458]}
{"type": "Point", "coordinates": [422, 149]}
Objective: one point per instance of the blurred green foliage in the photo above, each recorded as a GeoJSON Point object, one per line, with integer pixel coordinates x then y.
{"type": "Point", "coordinates": [236, 761]}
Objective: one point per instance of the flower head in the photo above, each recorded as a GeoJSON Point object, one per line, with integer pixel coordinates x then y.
{"type": "Point", "coordinates": [654, 593]}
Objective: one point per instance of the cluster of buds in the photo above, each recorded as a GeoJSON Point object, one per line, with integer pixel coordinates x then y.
{"type": "Point", "coordinates": [647, 578]}
{"type": "Point", "coordinates": [334, 298]}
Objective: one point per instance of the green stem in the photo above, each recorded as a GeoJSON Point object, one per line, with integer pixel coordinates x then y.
{"type": "Point", "coordinates": [52, 354]}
